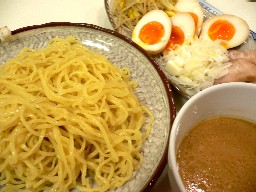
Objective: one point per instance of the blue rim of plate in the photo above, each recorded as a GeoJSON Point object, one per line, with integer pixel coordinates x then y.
{"type": "Point", "coordinates": [168, 87]}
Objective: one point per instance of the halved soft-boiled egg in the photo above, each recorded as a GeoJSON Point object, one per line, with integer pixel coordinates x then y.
{"type": "Point", "coordinates": [194, 9]}
{"type": "Point", "coordinates": [230, 30]}
{"type": "Point", "coordinates": [153, 31]}
{"type": "Point", "coordinates": [183, 30]}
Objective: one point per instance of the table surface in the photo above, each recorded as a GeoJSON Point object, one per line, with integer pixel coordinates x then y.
{"type": "Point", "coordinates": [19, 13]}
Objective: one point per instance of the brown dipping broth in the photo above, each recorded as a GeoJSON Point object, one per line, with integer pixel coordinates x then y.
{"type": "Point", "coordinates": [219, 154]}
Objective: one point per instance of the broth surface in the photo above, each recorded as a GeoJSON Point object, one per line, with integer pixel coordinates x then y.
{"type": "Point", "coordinates": [219, 154]}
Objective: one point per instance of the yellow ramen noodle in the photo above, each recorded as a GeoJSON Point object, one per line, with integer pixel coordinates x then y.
{"type": "Point", "coordinates": [68, 119]}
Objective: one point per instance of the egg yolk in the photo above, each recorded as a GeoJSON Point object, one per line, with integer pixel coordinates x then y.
{"type": "Point", "coordinates": [195, 18]}
{"type": "Point", "coordinates": [221, 29]}
{"type": "Point", "coordinates": [151, 33]}
{"type": "Point", "coordinates": [177, 38]}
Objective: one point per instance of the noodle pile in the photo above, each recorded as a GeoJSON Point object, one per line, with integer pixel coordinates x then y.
{"type": "Point", "coordinates": [68, 119]}
{"type": "Point", "coordinates": [127, 13]}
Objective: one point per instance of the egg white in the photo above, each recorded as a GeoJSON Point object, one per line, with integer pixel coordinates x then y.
{"type": "Point", "coordinates": [186, 23]}
{"type": "Point", "coordinates": [241, 27]}
{"type": "Point", "coordinates": [194, 7]}
{"type": "Point", "coordinates": [154, 15]}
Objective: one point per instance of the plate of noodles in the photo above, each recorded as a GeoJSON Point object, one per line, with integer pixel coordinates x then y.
{"type": "Point", "coordinates": [124, 16]}
{"type": "Point", "coordinates": [82, 108]}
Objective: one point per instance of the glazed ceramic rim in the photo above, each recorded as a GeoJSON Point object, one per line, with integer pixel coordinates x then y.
{"type": "Point", "coordinates": [164, 159]}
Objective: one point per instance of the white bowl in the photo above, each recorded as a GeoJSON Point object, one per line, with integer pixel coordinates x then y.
{"type": "Point", "coordinates": [232, 99]}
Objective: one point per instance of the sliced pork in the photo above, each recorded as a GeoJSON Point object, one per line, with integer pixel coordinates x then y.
{"type": "Point", "coordinates": [249, 55]}
{"type": "Point", "coordinates": [243, 68]}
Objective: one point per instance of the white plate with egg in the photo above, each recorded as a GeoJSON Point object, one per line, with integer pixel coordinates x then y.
{"type": "Point", "coordinates": [190, 58]}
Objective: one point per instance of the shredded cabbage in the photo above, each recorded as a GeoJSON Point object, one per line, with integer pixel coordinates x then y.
{"type": "Point", "coordinates": [196, 66]}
